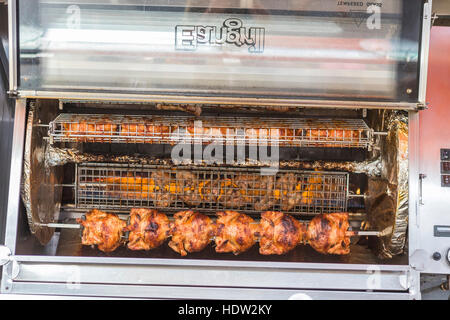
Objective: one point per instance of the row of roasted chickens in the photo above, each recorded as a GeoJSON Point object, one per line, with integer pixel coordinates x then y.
{"type": "Point", "coordinates": [160, 130]}
{"type": "Point", "coordinates": [232, 232]}
{"type": "Point", "coordinates": [260, 192]}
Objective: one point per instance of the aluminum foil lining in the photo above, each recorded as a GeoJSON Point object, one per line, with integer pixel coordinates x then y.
{"type": "Point", "coordinates": [60, 156]}
{"type": "Point", "coordinates": [26, 179]}
{"type": "Point", "coordinates": [40, 191]}
{"type": "Point", "coordinates": [387, 201]}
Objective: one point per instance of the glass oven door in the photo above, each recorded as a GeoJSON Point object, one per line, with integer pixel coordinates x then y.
{"type": "Point", "coordinates": [218, 51]}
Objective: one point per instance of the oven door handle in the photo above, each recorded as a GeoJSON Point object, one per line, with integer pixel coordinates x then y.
{"type": "Point", "coordinates": [421, 177]}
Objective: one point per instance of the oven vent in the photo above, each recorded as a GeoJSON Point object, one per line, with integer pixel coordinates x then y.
{"type": "Point", "coordinates": [297, 132]}
{"type": "Point", "coordinates": [121, 187]}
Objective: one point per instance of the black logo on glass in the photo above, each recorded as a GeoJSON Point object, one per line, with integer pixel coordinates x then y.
{"type": "Point", "coordinates": [232, 32]}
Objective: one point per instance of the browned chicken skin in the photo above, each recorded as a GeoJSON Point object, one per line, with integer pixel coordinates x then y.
{"type": "Point", "coordinates": [148, 130]}
{"type": "Point", "coordinates": [209, 190]}
{"type": "Point", "coordinates": [131, 186]}
{"type": "Point", "coordinates": [236, 232]}
{"type": "Point", "coordinates": [260, 135]}
{"type": "Point", "coordinates": [148, 229]}
{"type": "Point", "coordinates": [231, 195]}
{"type": "Point", "coordinates": [331, 135]}
{"type": "Point", "coordinates": [165, 191]}
{"type": "Point", "coordinates": [82, 128]}
{"type": "Point", "coordinates": [191, 232]}
{"type": "Point", "coordinates": [327, 233]}
{"type": "Point", "coordinates": [280, 233]}
{"type": "Point", "coordinates": [102, 229]}
{"type": "Point", "coordinates": [263, 189]}
{"type": "Point", "coordinates": [208, 134]}
{"type": "Point", "coordinates": [288, 191]}
{"type": "Point", "coordinates": [188, 184]}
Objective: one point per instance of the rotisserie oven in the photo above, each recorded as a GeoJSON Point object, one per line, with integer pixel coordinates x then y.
{"type": "Point", "coordinates": [215, 149]}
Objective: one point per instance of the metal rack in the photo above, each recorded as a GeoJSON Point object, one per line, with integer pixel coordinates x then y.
{"type": "Point", "coordinates": [121, 187]}
{"type": "Point", "coordinates": [343, 133]}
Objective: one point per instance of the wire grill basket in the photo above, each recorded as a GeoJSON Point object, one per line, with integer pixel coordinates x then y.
{"type": "Point", "coordinates": [342, 133]}
{"type": "Point", "coordinates": [121, 187]}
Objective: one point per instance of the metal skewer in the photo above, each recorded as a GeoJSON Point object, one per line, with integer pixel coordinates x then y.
{"type": "Point", "coordinates": [348, 233]}
{"type": "Point", "coordinates": [363, 233]}
{"type": "Point", "coordinates": [59, 225]}
{"type": "Point", "coordinates": [356, 195]}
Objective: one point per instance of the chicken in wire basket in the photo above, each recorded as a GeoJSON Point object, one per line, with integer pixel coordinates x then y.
{"type": "Point", "coordinates": [312, 189]}
{"type": "Point", "coordinates": [209, 190]}
{"type": "Point", "coordinates": [105, 230]}
{"type": "Point", "coordinates": [148, 229]}
{"type": "Point", "coordinates": [261, 190]}
{"type": "Point", "coordinates": [147, 131]}
{"type": "Point", "coordinates": [166, 189]}
{"type": "Point", "coordinates": [188, 183]}
{"type": "Point", "coordinates": [231, 195]}
{"type": "Point", "coordinates": [129, 185]}
{"type": "Point", "coordinates": [191, 232]}
{"type": "Point", "coordinates": [288, 191]}
{"type": "Point", "coordinates": [269, 135]}
{"type": "Point", "coordinates": [208, 134]}
{"type": "Point", "coordinates": [86, 131]}
{"type": "Point", "coordinates": [265, 192]}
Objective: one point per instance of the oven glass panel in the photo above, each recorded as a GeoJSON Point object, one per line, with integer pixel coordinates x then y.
{"type": "Point", "coordinates": [364, 50]}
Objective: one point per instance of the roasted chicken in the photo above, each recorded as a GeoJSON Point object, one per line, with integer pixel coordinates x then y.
{"type": "Point", "coordinates": [288, 191]}
{"type": "Point", "coordinates": [191, 232]}
{"type": "Point", "coordinates": [313, 190]}
{"type": "Point", "coordinates": [280, 233]}
{"type": "Point", "coordinates": [262, 190]}
{"type": "Point", "coordinates": [231, 195]}
{"type": "Point", "coordinates": [102, 229]}
{"type": "Point", "coordinates": [329, 137]}
{"type": "Point", "coordinates": [248, 185]}
{"type": "Point", "coordinates": [208, 134]}
{"type": "Point", "coordinates": [273, 135]}
{"type": "Point", "coordinates": [209, 190]}
{"type": "Point", "coordinates": [189, 185]}
{"type": "Point", "coordinates": [131, 186]}
{"type": "Point", "coordinates": [148, 229]}
{"type": "Point", "coordinates": [166, 189]}
{"type": "Point", "coordinates": [104, 127]}
{"type": "Point", "coordinates": [151, 131]}
{"type": "Point", "coordinates": [332, 134]}
{"type": "Point", "coordinates": [236, 232]}
{"type": "Point", "coordinates": [327, 233]}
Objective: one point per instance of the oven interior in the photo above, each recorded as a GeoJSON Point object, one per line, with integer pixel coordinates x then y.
{"type": "Point", "coordinates": [109, 172]}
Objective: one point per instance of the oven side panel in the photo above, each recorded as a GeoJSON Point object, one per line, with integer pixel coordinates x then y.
{"type": "Point", "coordinates": [434, 207]}
{"type": "Point", "coordinates": [6, 121]}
